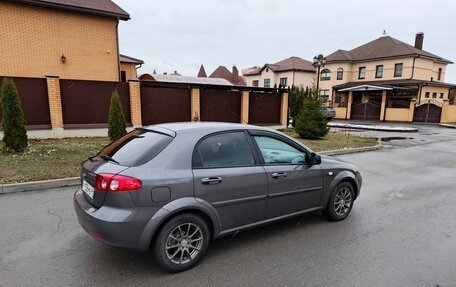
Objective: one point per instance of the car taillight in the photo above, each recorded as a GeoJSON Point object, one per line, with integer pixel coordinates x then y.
{"type": "Point", "coordinates": [111, 182]}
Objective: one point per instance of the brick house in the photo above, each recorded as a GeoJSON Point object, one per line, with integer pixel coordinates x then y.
{"type": "Point", "coordinates": [387, 80]}
{"type": "Point", "coordinates": [75, 39]}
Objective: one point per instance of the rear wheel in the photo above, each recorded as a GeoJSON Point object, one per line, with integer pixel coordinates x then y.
{"type": "Point", "coordinates": [182, 242]}
{"type": "Point", "coordinates": [340, 203]}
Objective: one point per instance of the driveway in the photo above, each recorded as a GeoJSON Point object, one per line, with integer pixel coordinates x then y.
{"type": "Point", "coordinates": [401, 232]}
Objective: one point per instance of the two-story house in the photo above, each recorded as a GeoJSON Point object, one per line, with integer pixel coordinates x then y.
{"type": "Point", "coordinates": [74, 39]}
{"type": "Point", "coordinates": [379, 80]}
{"type": "Point", "coordinates": [293, 71]}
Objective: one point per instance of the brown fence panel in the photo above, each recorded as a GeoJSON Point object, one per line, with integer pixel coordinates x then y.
{"type": "Point", "coordinates": [86, 103]}
{"type": "Point", "coordinates": [164, 105]}
{"type": "Point", "coordinates": [264, 108]}
{"type": "Point", "coordinates": [34, 101]}
{"type": "Point", "coordinates": [220, 106]}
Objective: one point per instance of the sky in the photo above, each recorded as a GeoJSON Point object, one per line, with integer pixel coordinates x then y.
{"type": "Point", "coordinates": [180, 35]}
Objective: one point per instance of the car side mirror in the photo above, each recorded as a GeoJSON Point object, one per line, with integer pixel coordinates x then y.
{"type": "Point", "coordinates": [315, 159]}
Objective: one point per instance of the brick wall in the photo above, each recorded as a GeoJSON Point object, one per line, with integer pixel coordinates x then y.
{"type": "Point", "coordinates": [33, 40]}
{"type": "Point", "coordinates": [135, 103]}
{"type": "Point", "coordinates": [55, 102]}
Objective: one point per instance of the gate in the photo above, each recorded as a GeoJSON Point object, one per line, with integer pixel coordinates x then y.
{"type": "Point", "coordinates": [164, 105]}
{"type": "Point", "coordinates": [428, 112]}
{"type": "Point", "coordinates": [264, 108]}
{"type": "Point", "coordinates": [220, 106]}
{"type": "Point", "coordinates": [366, 107]}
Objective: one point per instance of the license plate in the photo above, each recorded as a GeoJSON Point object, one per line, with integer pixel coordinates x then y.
{"type": "Point", "coordinates": [87, 188]}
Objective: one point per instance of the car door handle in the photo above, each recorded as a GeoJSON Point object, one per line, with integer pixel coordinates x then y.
{"type": "Point", "coordinates": [279, 175]}
{"type": "Point", "coordinates": [211, 180]}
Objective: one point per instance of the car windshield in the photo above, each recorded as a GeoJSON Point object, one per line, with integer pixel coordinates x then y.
{"type": "Point", "coordinates": [135, 148]}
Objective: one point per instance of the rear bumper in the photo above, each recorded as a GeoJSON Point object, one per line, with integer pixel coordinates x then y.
{"type": "Point", "coordinates": [114, 226]}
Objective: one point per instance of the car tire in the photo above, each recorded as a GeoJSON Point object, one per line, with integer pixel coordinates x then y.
{"type": "Point", "coordinates": [176, 246]}
{"type": "Point", "coordinates": [340, 203]}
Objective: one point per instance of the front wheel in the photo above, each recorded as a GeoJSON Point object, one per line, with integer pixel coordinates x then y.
{"type": "Point", "coordinates": [340, 203]}
{"type": "Point", "coordinates": [182, 242]}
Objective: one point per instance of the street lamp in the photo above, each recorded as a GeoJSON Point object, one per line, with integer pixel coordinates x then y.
{"type": "Point", "coordinates": [318, 62]}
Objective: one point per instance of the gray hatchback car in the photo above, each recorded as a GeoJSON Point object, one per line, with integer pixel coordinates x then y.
{"type": "Point", "coordinates": [174, 187]}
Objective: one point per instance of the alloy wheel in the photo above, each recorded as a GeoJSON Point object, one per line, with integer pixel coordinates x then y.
{"type": "Point", "coordinates": [184, 243]}
{"type": "Point", "coordinates": [343, 201]}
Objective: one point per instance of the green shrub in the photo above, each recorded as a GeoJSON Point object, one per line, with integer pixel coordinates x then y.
{"type": "Point", "coordinates": [117, 124]}
{"type": "Point", "coordinates": [13, 123]}
{"type": "Point", "coordinates": [296, 101]}
{"type": "Point", "coordinates": [311, 122]}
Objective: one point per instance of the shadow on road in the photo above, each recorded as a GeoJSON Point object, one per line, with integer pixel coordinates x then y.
{"type": "Point", "coordinates": [137, 263]}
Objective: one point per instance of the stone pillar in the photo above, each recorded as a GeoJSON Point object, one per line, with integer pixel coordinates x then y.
{"type": "Point", "coordinates": [245, 107]}
{"type": "Point", "coordinates": [445, 112]}
{"type": "Point", "coordinates": [349, 104]}
{"type": "Point", "coordinates": [195, 105]}
{"type": "Point", "coordinates": [383, 107]}
{"type": "Point", "coordinates": [55, 105]}
{"type": "Point", "coordinates": [135, 102]}
{"type": "Point", "coordinates": [411, 110]}
{"type": "Point", "coordinates": [284, 110]}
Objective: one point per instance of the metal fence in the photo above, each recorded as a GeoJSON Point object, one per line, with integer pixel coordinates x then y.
{"type": "Point", "coordinates": [34, 101]}
{"type": "Point", "coordinates": [264, 108]}
{"type": "Point", "coordinates": [86, 103]}
{"type": "Point", "coordinates": [164, 104]}
{"type": "Point", "coordinates": [220, 106]}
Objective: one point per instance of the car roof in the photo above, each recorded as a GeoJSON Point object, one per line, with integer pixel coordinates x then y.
{"type": "Point", "coordinates": [202, 127]}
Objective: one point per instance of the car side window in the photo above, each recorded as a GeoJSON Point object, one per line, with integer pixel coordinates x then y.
{"type": "Point", "coordinates": [223, 150]}
{"type": "Point", "coordinates": [275, 151]}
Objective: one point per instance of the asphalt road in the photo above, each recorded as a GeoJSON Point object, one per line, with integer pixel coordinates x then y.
{"type": "Point", "coordinates": [402, 232]}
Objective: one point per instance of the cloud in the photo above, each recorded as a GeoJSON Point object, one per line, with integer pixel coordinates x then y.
{"type": "Point", "coordinates": [181, 35]}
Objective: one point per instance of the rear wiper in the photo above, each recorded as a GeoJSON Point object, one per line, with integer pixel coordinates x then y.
{"type": "Point", "coordinates": [107, 157]}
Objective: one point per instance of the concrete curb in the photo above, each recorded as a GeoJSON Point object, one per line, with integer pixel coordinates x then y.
{"type": "Point", "coordinates": [352, 150]}
{"type": "Point", "coordinates": [452, 126]}
{"type": "Point", "coordinates": [373, 128]}
{"type": "Point", "coordinates": [38, 185]}
{"type": "Point", "coordinates": [74, 181]}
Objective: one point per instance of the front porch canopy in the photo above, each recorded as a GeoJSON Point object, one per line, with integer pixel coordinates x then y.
{"type": "Point", "coordinates": [362, 88]}
{"type": "Point", "coordinates": [388, 85]}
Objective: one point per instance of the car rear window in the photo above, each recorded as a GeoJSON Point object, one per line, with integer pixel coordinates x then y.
{"type": "Point", "coordinates": [136, 147]}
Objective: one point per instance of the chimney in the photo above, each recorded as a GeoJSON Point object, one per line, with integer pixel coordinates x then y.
{"type": "Point", "coordinates": [419, 40]}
